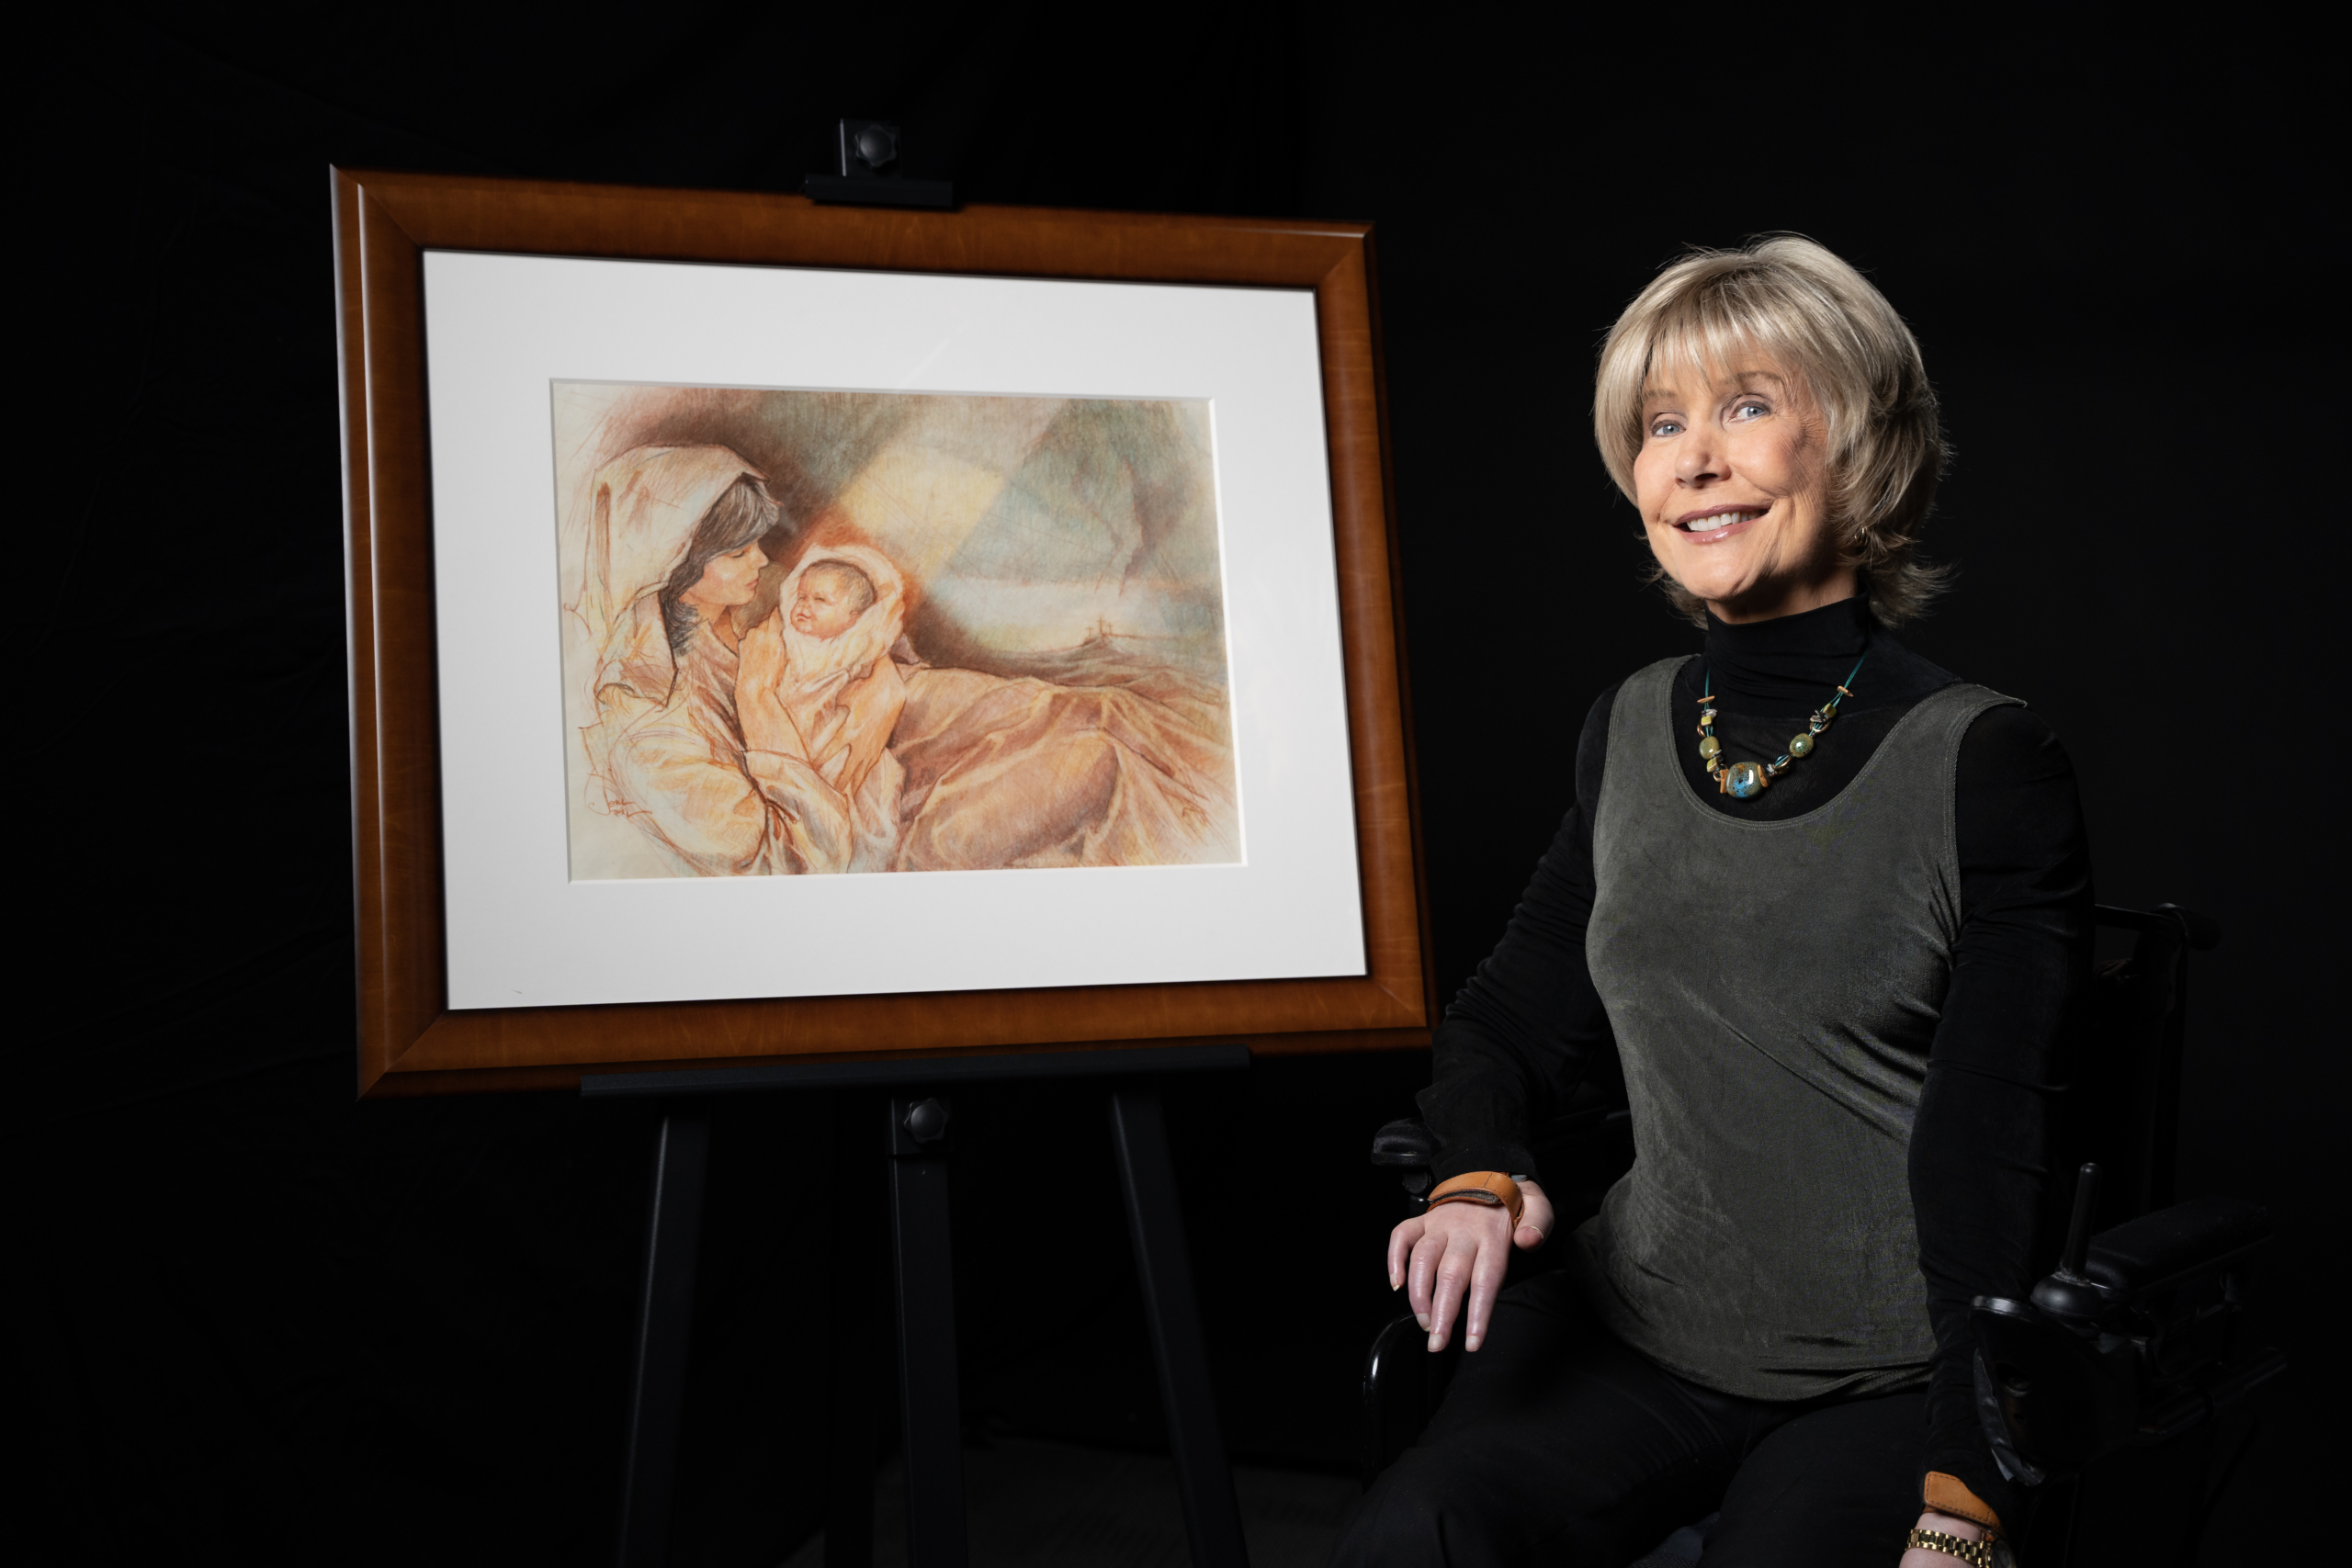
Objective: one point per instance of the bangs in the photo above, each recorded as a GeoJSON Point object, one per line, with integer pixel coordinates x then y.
{"type": "Point", "coordinates": [1705, 342]}
{"type": "Point", "coordinates": [1735, 325]}
{"type": "Point", "coordinates": [741, 515]}
{"type": "Point", "coordinates": [1716, 352]}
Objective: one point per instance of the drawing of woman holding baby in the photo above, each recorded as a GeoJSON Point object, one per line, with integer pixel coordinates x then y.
{"type": "Point", "coordinates": [743, 743]}
{"type": "Point", "coordinates": [726, 760]}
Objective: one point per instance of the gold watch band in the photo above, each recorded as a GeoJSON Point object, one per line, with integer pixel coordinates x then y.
{"type": "Point", "coordinates": [1976, 1553]}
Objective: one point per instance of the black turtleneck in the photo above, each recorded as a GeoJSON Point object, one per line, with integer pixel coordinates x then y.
{"type": "Point", "coordinates": [1527, 1042]}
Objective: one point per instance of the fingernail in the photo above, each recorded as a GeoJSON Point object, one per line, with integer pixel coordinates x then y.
{"type": "Point", "coordinates": [1393, 1281]}
{"type": "Point", "coordinates": [1470, 1341]}
{"type": "Point", "coordinates": [1422, 1318]}
{"type": "Point", "coordinates": [1436, 1344]}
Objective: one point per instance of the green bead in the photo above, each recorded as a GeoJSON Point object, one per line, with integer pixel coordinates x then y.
{"type": "Point", "coordinates": [1709, 746]}
{"type": "Point", "coordinates": [1800, 745]}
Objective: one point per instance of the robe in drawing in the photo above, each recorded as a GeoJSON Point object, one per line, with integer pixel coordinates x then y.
{"type": "Point", "coordinates": [681, 773]}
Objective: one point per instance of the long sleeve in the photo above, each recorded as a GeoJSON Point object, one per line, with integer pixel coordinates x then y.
{"type": "Point", "coordinates": [695, 798]}
{"type": "Point", "coordinates": [808, 816]}
{"type": "Point", "coordinates": [1980, 1144]}
{"type": "Point", "coordinates": [1526, 1028]}
{"type": "Point", "coordinates": [677, 767]}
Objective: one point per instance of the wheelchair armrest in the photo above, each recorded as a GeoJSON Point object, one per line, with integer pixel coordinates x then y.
{"type": "Point", "coordinates": [2133, 1341]}
{"type": "Point", "coordinates": [2146, 1256]}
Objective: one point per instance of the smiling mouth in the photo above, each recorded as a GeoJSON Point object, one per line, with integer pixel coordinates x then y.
{"type": "Point", "coordinates": [1704, 524]}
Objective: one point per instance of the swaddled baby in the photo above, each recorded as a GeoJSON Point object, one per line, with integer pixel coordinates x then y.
{"type": "Point", "coordinates": [819, 696]}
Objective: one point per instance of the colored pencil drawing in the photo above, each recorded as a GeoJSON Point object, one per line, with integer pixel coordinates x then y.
{"type": "Point", "coordinates": [812, 631]}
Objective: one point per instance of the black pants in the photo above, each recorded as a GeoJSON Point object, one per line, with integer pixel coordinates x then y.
{"type": "Point", "coordinates": [1558, 1445]}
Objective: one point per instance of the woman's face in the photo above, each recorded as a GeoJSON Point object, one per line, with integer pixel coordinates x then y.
{"type": "Point", "coordinates": [1732, 479]}
{"type": "Point", "coordinates": [729, 580]}
{"type": "Point", "coordinates": [822, 608]}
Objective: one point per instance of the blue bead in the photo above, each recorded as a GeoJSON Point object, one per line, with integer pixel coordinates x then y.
{"type": "Point", "coordinates": [1745, 780]}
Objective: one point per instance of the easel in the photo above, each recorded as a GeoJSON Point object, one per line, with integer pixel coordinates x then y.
{"type": "Point", "coordinates": [913, 1139]}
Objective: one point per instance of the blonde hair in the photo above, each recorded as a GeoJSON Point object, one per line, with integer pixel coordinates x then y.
{"type": "Point", "coordinates": [1824, 322]}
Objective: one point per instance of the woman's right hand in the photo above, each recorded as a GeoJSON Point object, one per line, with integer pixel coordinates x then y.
{"type": "Point", "coordinates": [1461, 1250]}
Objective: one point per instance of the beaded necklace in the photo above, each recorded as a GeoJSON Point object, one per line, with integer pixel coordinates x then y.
{"type": "Point", "coordinates": [1744, 781]}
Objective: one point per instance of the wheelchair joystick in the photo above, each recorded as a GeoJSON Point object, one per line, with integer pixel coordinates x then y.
{"type": "Point", "coordinates": [2132, 1338]}
{"type": "Point", "coordinates": [2068, 1293]}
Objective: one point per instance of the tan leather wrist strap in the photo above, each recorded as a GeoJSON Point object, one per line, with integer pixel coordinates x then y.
{"type": "Point", "coordinates": [1949, 1495]}
{"type": "Point", "coordinates": [1490, 1187]}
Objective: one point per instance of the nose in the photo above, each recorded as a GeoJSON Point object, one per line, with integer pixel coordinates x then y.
{"type": "Point", "coordinates": [1700, 461]}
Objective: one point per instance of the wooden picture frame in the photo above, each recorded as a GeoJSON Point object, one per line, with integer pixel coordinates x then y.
{"type": "Point", "coordinates": [411, 1041]}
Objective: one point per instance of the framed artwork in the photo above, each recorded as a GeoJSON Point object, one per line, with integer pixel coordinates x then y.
{"type": "Point", "coordinates": [782, 632]}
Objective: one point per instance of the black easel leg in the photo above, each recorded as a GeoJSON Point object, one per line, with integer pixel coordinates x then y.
{"type": "Point", "coordinates": [665, 1320]}
{"type": "Point", "coordinates": [1156, 1220]}
{"type": "Point", "coordinates": [930, 1426]}
{"type": "Point", "coordinates": [858, 1301]}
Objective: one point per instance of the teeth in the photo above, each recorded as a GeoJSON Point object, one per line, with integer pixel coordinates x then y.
{"type": "Point", "coordinates": [1721, 520]}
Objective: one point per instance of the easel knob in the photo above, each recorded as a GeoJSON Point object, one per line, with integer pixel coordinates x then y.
{"type": "Point", "coordinates": [926, 1123]}
{"type": "Point", "coordinates": [870, 175]}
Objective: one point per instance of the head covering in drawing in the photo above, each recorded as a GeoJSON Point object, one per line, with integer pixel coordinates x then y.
{"type": "Point", "coordinates": [640, 513]}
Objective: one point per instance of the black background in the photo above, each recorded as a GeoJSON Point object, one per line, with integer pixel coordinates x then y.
{"type": "Point", "coordinates": [273, 1323]}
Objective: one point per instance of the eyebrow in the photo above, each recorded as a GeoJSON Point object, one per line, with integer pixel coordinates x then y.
{"type": "Point", "coordinates": [1652, 397]}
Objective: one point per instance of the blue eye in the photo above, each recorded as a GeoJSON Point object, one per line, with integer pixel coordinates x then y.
{"type": "Point", "coordinates": [1665, 427]}
{"type": "Point", "coordinates": [1758, 408]}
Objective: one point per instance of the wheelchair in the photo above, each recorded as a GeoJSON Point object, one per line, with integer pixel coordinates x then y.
{"type": "Point", "coordinates": [2114, 1390]}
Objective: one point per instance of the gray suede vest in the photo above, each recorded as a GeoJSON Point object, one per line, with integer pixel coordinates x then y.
{"type": "Point", "coordinates": [1774, 988]}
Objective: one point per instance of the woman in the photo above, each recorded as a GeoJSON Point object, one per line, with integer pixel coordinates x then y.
{"type": "Point", "coordinates": [672, 553]}
{"type": "Point", "coordinates": [1828, 909]}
